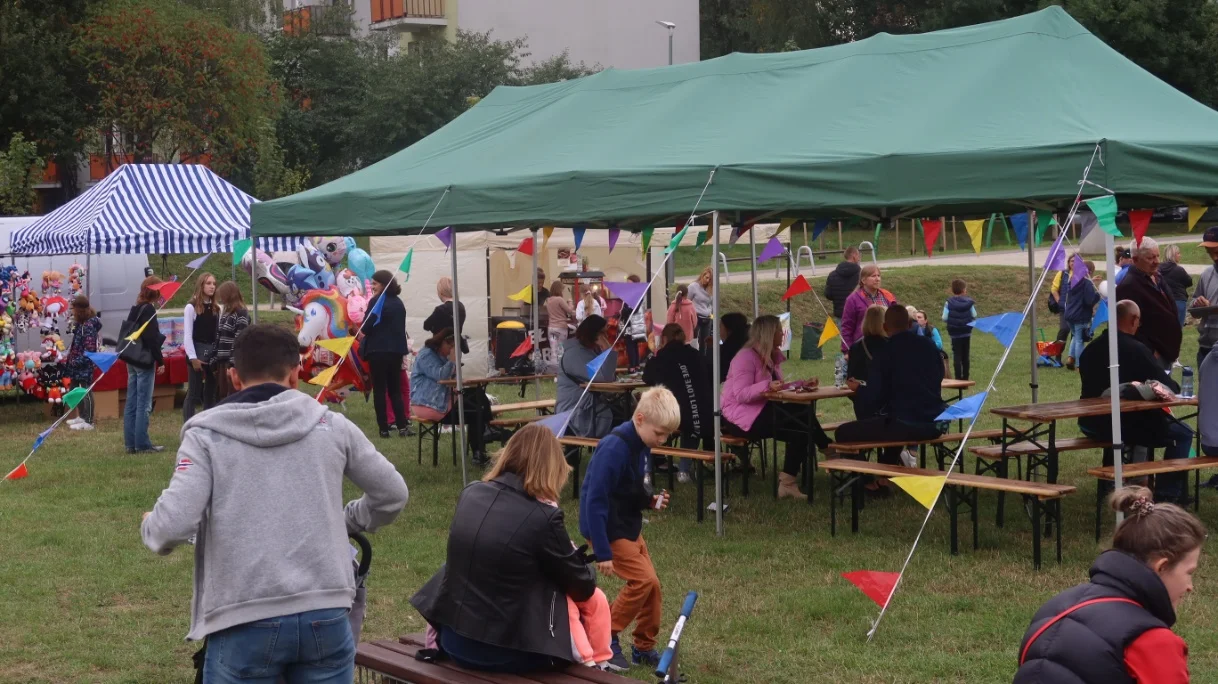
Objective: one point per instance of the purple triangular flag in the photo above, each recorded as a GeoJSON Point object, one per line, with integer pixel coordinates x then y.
{"type": "Point", "coordinates": [197, 262]}
{"type": "Point", "coordinates": [613, 233]}
{"type": "Point", "coordinates": [630, 293]}
{"type": "Point", "coordinates": [556, 423]}
{"type": "Point", "coordinates": [446, 236]}
{"type": "Point", "coordinates": [579, 236]}
{"type": "Point", "coordinates": [773, 249]}
{"type": "Point", "coordinates": [1079, 270]}
{"type": "Point", "coordinates": [1056, 261]}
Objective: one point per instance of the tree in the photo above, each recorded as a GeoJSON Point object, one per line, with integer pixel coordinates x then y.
{"type": "Point", "coordinates": [20, 168]}
{"type": "Point", "coordinates": [555, 70]}
{"type": "Point", "coordinates": [171, 81]}
{"type": "Point", "coordinates": [250, 16]}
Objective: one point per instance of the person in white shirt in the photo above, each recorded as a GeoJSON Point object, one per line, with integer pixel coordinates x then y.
{"type": "Point", "coordinates": [202, 316]}
{"type": "Point", "coordinates": [588, 306]}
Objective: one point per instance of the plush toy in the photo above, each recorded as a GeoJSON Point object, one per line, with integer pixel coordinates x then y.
{"type": "Point", "coordinates": [52, 283]}
{"type": "Point", "coordinates": [6, 379]}
{"type": "Point", "coordinates": [52, 348]}
{"type": "Point", "coordinates": [76, 280]}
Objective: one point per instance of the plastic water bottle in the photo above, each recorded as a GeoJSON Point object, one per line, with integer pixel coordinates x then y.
{"type": "Point", "coordinates": [839, 371]}
{"type": "Point", "coordinates": [1186, 382]}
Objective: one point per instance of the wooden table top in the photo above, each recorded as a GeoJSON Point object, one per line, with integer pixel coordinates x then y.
{"type": "Point", "coordinates": [949, 383]}
{"type": "Point", "coordinates": [505, 379]}
{"type": "Point", "coordinates": [1081, 408]}
{"type": "Point", "coordinates": [1040, 490]}
{"type": "Point", "coordinates": [619, 387]}
{"type": "Point", "coordinates": [831, 392]}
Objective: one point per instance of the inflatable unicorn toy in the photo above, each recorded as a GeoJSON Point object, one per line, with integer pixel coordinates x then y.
{"type": "Point", "coordinates": [322, 315]}
{"type": "Point", "coordinates": [268, 274]}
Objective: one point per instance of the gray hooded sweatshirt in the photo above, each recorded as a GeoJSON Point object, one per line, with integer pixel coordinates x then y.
{"type": "Point", "coordinates": [260, 487]}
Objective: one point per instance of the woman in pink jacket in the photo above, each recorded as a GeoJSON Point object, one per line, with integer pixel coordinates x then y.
{"type": "Point", "coordinates": [868, 293]}
{"type": "Point", "coordinates": [681, 312]}
{"type": "Point", "coordinates": [757, 369]}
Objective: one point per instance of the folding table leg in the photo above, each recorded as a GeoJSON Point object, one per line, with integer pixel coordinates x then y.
{"type": "Point", "coordinates": [1057, 514]}
{"type": "Point", "coordinates": [579, 457]}
{"type": "Point", "coordinates": [1036, 515]}
{"type": "Point", "coordinates": [973, 503]}
{"type": "Point", "coordinates": [698, 465]}
{"type": "Point", "coordinates": [1004, 473]}
{"type": "Point", "coordinates": [833, 480]}
{"type": "Point", "coordinates": [952, 511]}
{"type": "Point", "coordinates": [856, 503]}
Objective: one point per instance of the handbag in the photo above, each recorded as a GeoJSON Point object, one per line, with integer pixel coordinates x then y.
{"type": "Point", "coordinates": [1055, 306]}
{"type": "Point", "coordinates": [134, 353]}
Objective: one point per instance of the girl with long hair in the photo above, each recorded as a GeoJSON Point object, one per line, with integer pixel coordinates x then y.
{"type": "Point", "coordinates": [234, 318]}
{"type": "Point", "coordinates": [201, 319]}
{"type": "Point", "coordinates": [85, 339]}
{"type": "Point", "coordinates": [682, 312]}
{"type": "Point", "coordinates": [701, 293]}
{"type": "Point", "coordinates": [384, 347]}
{"type": "Point", "coordinates": [141, 377]}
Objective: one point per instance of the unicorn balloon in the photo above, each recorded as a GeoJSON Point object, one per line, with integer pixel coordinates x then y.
{"type": "Point", "coordinates": [323, 316]}
{"type": "Point", "coordinates": [268, 274]}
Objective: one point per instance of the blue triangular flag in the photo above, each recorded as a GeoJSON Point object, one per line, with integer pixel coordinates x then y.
{"type": "Point", "coordinates": [376, 309]}
{"type": "Point", "coordinates": [1101, 316]}
{"type": "Point", "coordinates": [964, 409]}
{"type": "Point", "coordinates": [103, 360]}
{"type": "Point", "coordinates": [1020, 223]}
{"type": "Point", "coordinates": [595, 364]}
{"type": "Point", "coordinates": [42, 437]}
{"type": "Point", "coordinates": [819, 227]}
{"type": "Point", "coordinates": [197, 262]}
{"type": "Point", "coordinates": [556, 423]}
{"type": "Point", "coordinates": [579, 236]}
{"type": "Point", "coordinates": [1004, 326]}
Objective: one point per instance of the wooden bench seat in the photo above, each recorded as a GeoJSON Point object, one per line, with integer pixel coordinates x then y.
{"type": "Point", "coordinates": [396, 660]}
{"type": "Point", "coordinates": [700, 457]}
{"type": "Point", "coordinates": [1025, 448]}
{"type": "Point", "coordinates": [961, 489]}
{"type": "Point", "coordinates": [513, 421]}
{"type": "Point", "coordinates": [536, 405]}
{"type": "Point", "coordinates": [1147, 469]}
{"type": "Point", "coordinates": [946, 438]}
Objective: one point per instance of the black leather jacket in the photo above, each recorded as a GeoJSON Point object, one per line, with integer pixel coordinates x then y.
{"type": "Point", "coordinates": [510, 567]}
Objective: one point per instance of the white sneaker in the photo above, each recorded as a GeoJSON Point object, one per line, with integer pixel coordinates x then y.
{"type": "Point", "coordinates": [75, 421]}
{"type": "Point", "coordinates": [83, 426]}
{"type": "Point", "coordinates": [712, 507]}
{"type": "Point", "coordinates": [684, 478]}
{"type": "Point", "coordinates": [909, 458]}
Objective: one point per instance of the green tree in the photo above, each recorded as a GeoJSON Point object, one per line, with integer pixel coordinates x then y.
{"type": "Point", "coordinates": [556, 69]}
{"type": "Point", "coordinates": [20, 168]}
{"type": "Point", "coordinates": [250, 16]}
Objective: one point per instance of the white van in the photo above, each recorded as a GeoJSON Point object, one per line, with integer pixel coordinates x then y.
{"type": "Point", "coordinates": [112, 281]}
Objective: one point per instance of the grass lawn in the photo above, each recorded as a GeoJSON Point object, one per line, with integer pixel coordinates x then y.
{"type": "Point", "coordinates": [83, 600]}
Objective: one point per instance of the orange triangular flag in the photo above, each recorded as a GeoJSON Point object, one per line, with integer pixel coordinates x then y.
{"type": "Point", "coordinates": [524, 347]}
{"type": "Point", "coordinates": [18, 473]}
{"type": "Point", "coordinates": [877, 586]}
{"type": "Point", "coordinates": [799, 286]}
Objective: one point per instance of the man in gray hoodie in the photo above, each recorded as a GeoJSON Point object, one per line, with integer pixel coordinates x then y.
{"type": "Point", "coordinates": [259, 485]}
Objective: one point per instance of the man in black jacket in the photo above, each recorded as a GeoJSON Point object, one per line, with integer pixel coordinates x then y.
{"type": "Point", "coordinates": [1153, 428]}
{"type": "Point", "coordinates": [1145, 287]}
{"type": "Point", "coordinates": [843, 280]}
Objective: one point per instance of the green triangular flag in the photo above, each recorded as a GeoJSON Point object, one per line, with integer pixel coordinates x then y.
{"type": "Point", "coordinates": [1044, 220]}
{"type": "Point", "coordinates": [240, 247]}
{"type": "Point", "coordinates": [702, 238]}
{"type": "Point", "coordinates": [676, 240]}
{"type": "Point", "coordinates": [1105, 210]}
{"type": "Point", "coordinates": [73, 397]}
{"type": "Point", "coordinates": [405, 267]}
{"type": "Point", "coordinates": [647, 232]}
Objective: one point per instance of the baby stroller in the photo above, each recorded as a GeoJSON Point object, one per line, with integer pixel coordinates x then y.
{"type": "Point", "coordinates": [361, 563]}
{"type": "Point", "coordinates": [1050, 352]}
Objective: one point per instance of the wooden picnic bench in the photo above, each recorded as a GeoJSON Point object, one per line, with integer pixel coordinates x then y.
{"type": "Point", "coordinates": [540, 405]}
{"type": "Point", "coordinates": [524, 381]}
{"type": "Point", "coordinates": [394, 662]}
{"type": "Point", "coordinates": [941, 444]}
{"type": "Point", "coordinates": [995, 459]}
{"type": "Point", "coordinates": [700, 458]}
{"type": "Point", "coordinates": [961, 489]}
{"type": "Point", "coordinates": [1132, 470]}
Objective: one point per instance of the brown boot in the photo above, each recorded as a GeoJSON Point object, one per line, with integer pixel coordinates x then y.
{"type": "Point", "coordinates": [788, 488]}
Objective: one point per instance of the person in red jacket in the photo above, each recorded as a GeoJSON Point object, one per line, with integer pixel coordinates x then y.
{"type": "Point", "coordinates": [1117, 627]}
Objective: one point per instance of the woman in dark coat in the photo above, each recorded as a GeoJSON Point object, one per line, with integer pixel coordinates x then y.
{"type": "Point", "coordinates": [680, 368]}
{"type": "Point", "coordinates": [499, 602]}
{"type": "Point", "coordinates": [1176, 278]}
{"type": "Point", "coordinates": [733, 334]}
{"type": "Point", "coordinates": [442, 316]}
{"type": "Point", "coordinates": [383, 348]}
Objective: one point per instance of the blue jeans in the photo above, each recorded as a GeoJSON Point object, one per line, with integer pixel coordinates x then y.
{"type": "Point", "coordinates": [1175, 485]}
{"type": "Point", "coordinates": [1181, 311]}
{"type": "Point", "coordinates": [476, 655]}
{"type": "Point", "coordinates": [1077, 332]}
{"type": "Point", "coordinates": [313, 647]}
{"type": "Point", "coordinates": [139, 407]}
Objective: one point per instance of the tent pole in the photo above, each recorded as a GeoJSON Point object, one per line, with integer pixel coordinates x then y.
{"type": "Point", "coordinates": [1114, 365]}
{"type": "Point", "coordinates": [254, 283]}
{"type": "Point", "coordinates": [715, 388]}
{"type": "Point", "coordinates": [753, 270]}
{"type": "Point", "coordinates": [1035, 385]}
{"type": "Point", "coordinates": [536, 321]}
{"type": "Point", "coordinates": [459, 435]}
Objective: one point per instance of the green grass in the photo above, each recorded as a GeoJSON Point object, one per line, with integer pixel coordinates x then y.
{"type": "Point", "coordinates": [83, 600]}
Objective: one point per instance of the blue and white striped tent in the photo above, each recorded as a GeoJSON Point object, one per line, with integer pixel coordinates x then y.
{"type": "Point", "coordinates": [148, 209]}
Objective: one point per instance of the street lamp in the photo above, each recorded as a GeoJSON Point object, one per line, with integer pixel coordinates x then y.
{"type": "Point", "coordinates": [671, 27]}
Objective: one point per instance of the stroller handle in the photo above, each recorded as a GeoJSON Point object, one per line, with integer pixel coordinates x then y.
{"type": "Point", "coordinates": [365, 552]}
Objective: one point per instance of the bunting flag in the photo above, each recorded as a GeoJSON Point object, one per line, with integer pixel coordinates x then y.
{"type": "Point", "coordinates": [613, 235]}
{"type": "Point", "coordinates": [829, 332]}
{"type": "Point", "coordinates": [525, 294]}
{"type": "Point", "coordinates": [1004, 326]}
{"type": "Point", "coordinates": [773, 249]}
{"type": "Point", "coordinates": [964, 409]}
{"type": "Point", "coordinates": [446, 236]}
{"type": "Point", "coordinates": [595, 364]}
{"type": "Point", "coordinates": [1139, 221]}
{"type": "Point", "coordinates": [1019, 222]}
{"type": "Point", "coordinates": [167, 289]}
{"type": "Point", "coordinates": [524, 347]}
{"type": "Point", "coordinates": [1087, 223]}
{"type": "Point", "coordinates": [630, 293]}
{"type": "Point", "coordinates": [546, 232]}
{"type": "Point", "coordinates": [740, 231]}
{"type": "Point", "coordinates": [923, 488]}
{"type": "Point", "coordinates": [323, 378]}
{"type": "Point", "coordinates": [42, 437]}
{"type": "Point", "coordinates": [1044, 220]}
{"type": "Point", "coordinates": [136, 335]}
{"type": "Point", "coordinates": [579, 236]}
{"type": "Point", "coordinates": [1078, 271]}
{"type": "Point", "coordinates": [1105, 210]}
{"type": "Point", "coordinates": [702, 238]}
{"type": "Point", "coordinates": [975, 230]}
{"type": "Point", "coordinates": [819, 227]}
{"type": "Point", "coordinates": [676, 240]}
{"type": "Point", "coordinates": [407, 260]}
{"type": "Point", "coordinates": [930, 233]}
{"type": "Point", "coordinates": [798, 286]}
{"type": "Point", "coordinates": [647, 233]}
{"type": "Point", "coordinates": [103, 360]}
{"type": "Point", "coordinates": [556, 423]}
{"type": "Point", "coordinates": [1195, 212]}
{"type": "Point", "coordinates": [783, 225]}
{"type": "Point", "coordinates": [377, 306]}
{"type": "Point", "coordinates": [877, 586]}
{"type": "Point", "coordinates": [18, 473]}
{"type": "Point", "coordinates": [73, 397]}
{"type": "Point", "coordinates": [338, 345]}
{"type": "Point", "coordinates": [526, 247]}
{"type": "Point", "coordinates": [1101, 316]}
{"type": "Point", "coordinates": [194, 265]}
{"type": "Point", "coordinates": [1056, 259]}
{"type": "Point", "coordinates": [240, 247]}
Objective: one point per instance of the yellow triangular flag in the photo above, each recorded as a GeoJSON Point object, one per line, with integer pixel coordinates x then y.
{"type": "Point", "coordinates": [136, 335]}
{"type": "Point", "coordinates": [1195, 212]}
{"type": "Point", "coordinates": [975, 230]}
{"type": "Point", "coordinates": [323, 378]}
{"type": "Point", "coordinates": [924, 488]}
{"type": "Point", "coordinates": [783, 225]}
{"type": "Point", "coordinates": [547, 232]}
{"type": "Point", "coordinates": [525, 295]}
{"type": "Point", "coordinates": [829, 332]}
{"type": "Point", "coordinates": [338, 345]}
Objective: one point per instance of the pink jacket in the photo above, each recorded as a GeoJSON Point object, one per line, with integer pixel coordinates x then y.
{"type": "Point", "coordinates": [747, 378]}
{"type": "Point", "coordinates": [682, 313]}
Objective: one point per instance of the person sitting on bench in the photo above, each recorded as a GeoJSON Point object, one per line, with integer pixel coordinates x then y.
{"type": "Point", "coordinates": [1154, 428]}
{"type": "Point", "coordinates": [902, 394]}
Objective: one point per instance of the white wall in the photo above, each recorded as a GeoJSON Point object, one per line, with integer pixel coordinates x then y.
{"type": "Point", "coordinates": [621, 34]}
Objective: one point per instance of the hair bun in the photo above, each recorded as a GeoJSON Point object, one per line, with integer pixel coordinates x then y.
{"type": "Point", "coordinates": [1132, 500]}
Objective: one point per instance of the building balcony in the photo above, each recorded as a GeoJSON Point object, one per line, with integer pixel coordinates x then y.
{"type": "Point", "coordinates": [406, 15]}
{"type": "Point", "coordinates": [49, 178]}
{"type": "Point", "coordinates": [99, 168]}
{"type": "Point", "coordinates": [320, 19]}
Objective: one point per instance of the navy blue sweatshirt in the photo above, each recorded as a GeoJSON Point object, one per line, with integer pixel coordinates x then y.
{"type": "Point", "coordinates": [613, 496]}
{"type": "Point", "coordinates": [905, 380]}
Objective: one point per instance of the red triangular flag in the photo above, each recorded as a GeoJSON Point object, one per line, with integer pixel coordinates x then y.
{"type": "Point", "coordinates": [524, 348]}
{"type": "Point", "coordinates": [18, 473]}
{"type": "Point", "coordinates": [877, 586]}
{"type": "Point", "coordinates": [168, 289]}
{"type": "Point", "coordinates": [800, 286]}
{"type": "Point", "coordinates": [930, 233]}
{"type": "Point", "coordinates": [526, 247]}
{"type": "Point", "coordinates": [1139, 220]}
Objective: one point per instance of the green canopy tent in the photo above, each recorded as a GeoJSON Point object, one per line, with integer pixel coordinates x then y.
{"type": "Point", "coordinates": [994, 117]}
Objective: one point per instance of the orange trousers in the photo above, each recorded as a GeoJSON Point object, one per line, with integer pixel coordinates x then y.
{"type": "Point", "coordinates": [639, 600]}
